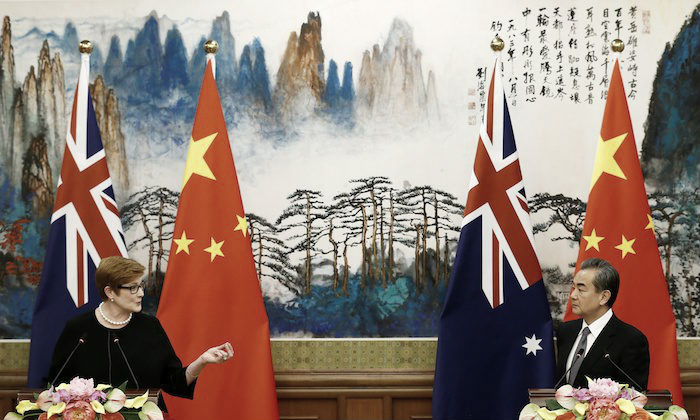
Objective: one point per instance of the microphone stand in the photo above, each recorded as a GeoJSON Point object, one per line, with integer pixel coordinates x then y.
{"type": "Point", "coordinates": [116, 341]}
{"type": "Point", "coordinates": [576, 357]}
{"type": "Point", "coordinates": [607, 356]}
{"type": "Point", "coordinates": [81, 340]}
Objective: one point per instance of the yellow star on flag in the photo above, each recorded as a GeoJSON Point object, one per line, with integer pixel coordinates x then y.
{"type": "Point", "coordinates": [214, 249]}
{"type": "Point", "coordinates": [605, 158]}
{"type": "Point", "coordinates": [650, 225]}
{"type": "Point", "coordinates": [242, 225]}
{"type": "Point", "coordinates": [626, 246]}
{"type": "Point", "coordinates": [593, 240]}
{"type": "Point", "coordinates": [195, 158]}
{"type": "Point", "coordinates": [183, 244]}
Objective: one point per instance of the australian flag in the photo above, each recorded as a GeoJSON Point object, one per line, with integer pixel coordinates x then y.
{"type": "Point", "coordinates": [495, 338]}
{"type": "Point", "coordinates": [85, 227]}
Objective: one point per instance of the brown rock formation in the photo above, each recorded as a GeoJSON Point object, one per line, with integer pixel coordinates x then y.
{"type": "Point", "coordinates": [106, 105]}
{"type": "Point", "coordinates": [30, 112]}
{"type": "Point", "coordinates": [391, 79]}
{"type": "Point", "coordinates": [37, 182]}
{"type": "Point", "coordinates": [300, 79]}
{"type": "Point", "coordinates": [7, 93]}
{"type": "Point", "coordinates": [52, 105]}
{"type": "Point", "coordinates": [17, 152]}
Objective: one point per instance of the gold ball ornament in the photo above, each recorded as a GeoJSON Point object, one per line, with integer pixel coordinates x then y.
{"type": "Point", "coordinates": [85, 46]}
{"type": "Point", "coordinates": [497, 44]}
{"type": "Point", "coordinates": [617, 45]}
{"type": "Point", "coordinates": [211, 47]}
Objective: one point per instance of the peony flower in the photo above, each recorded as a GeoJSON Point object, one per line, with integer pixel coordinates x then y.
{"type": "Point", "coordinates": [640, 414]}
{"type": "Point", "coordinates": [115, 400]}
{"type": "Point", "coordinates": [43, 416]}
{"type": "Point", "coordinates": [81, 389]}
{"type": "Point", "coordinates": [150, 411]}
{"type": "Point", "coordinates": [564, 397]}
{"type": "Point", "coordinates": [603, 409]}
{"type": "Point", "coordinates": [79, 410]}
{"type": "Point", "coordinates": [604, 388]}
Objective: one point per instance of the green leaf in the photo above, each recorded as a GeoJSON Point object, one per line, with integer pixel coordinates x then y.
{"type": "Point", "coordinates": [552, 405]}
{"type": "Point", "coordinates": [122, 387]}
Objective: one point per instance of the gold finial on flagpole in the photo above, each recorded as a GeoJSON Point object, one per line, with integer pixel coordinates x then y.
{"type": "Point", "coordinates": [85, 46]}
{"type": "Point", "coordinates": [211, 46]}
{"type": "Point", "coordinates": [617, 45]}
{"type": "Point", "coordinates": [497, 44]}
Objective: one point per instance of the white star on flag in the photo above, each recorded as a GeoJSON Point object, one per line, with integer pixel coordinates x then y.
{"type": "Point", "coordinates": [532, 344]}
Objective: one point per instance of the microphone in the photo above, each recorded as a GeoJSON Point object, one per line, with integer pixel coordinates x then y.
{"type": "Point", "coordinates": [639, 388]}
{"type": "Point", "coordinates": [81, 340]}
{"type": "Point", "coordinates": [116, 341]}
{"type": "Point", "coordinates": [578, 354]}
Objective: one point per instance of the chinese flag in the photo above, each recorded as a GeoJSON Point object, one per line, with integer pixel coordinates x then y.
{"type": "Point", "coordinates": [211, 292]}
{"type": "Point", "coordinates": [619, 229]}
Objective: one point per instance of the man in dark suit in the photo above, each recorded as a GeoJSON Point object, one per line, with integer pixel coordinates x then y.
{"type": "Point", "coordinates": [592, 345]}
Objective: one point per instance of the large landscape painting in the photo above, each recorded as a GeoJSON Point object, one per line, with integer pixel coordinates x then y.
{"type": "Point", "coordinates": [353, 127]}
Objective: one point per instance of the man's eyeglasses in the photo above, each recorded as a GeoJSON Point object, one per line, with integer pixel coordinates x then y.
{"type": "Point", "coordinates": [134, 288]}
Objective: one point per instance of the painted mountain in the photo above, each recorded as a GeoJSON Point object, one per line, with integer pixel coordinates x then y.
{"type": "Point", "coordinates": [145, 90]}
{"type": "Point", "coordinates": [671, 147]}
{"type": "Point", "coordinates": [671, 165]}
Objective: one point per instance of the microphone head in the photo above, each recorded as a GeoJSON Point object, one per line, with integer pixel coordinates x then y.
{"type": "Point", "coordinates": [115, 340]}
{"type": "Point", "coordinates": [607, 355]}
{"type": "Point", "coordinates": [82, 338]}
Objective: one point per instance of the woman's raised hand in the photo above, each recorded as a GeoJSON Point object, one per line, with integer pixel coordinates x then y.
{"type": "Point", "coordinates": [218, 354]}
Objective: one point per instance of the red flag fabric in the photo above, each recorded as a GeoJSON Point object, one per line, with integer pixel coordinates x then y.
{"type": "Point", "coordinates": [211, 292]}
{"type": "Point", "coordinates": [618, 228]}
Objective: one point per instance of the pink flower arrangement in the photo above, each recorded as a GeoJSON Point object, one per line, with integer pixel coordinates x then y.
{"type": "Point", "coordinates": [604, 389]}
{"type": "Point", "coordinates": [604, 399]}
{"type": "Point", "coordinates": [82, 400]}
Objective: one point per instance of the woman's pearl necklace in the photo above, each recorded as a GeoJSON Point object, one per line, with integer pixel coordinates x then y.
{"type": "Point", "coordinates": [126, 321]}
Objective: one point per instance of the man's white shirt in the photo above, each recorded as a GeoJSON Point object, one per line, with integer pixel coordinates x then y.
{"type": "Point", "coordinates": [595, 328]}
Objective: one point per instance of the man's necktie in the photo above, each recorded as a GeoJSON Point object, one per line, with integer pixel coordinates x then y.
{"type": "Point", "coordinates": [580, 349]}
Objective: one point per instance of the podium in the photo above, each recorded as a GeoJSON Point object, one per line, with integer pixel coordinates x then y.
{"type": "Point", "coordinates": [656, 398]}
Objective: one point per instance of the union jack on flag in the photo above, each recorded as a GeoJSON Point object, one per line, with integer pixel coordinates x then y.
{"type": "Point", "coordinates": [497, 196]}
{"type": "Point", "coordinates": [85, 227]}
{"type": "Point", "coordinates": [495, 333]}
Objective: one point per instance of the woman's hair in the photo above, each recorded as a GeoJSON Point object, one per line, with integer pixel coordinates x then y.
{"type": "Point", "coordinates": [115, 271]}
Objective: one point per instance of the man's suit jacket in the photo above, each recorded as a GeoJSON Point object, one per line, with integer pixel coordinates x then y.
{"type": "Point", "coordinates": [627, 346]}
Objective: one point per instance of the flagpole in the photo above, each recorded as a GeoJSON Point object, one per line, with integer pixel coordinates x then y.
{"type": "Point", "coordinates": [211, 47]}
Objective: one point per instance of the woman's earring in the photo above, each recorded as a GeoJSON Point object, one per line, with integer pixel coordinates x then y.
{"type": "Point", "coordinates": [111, 299]}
